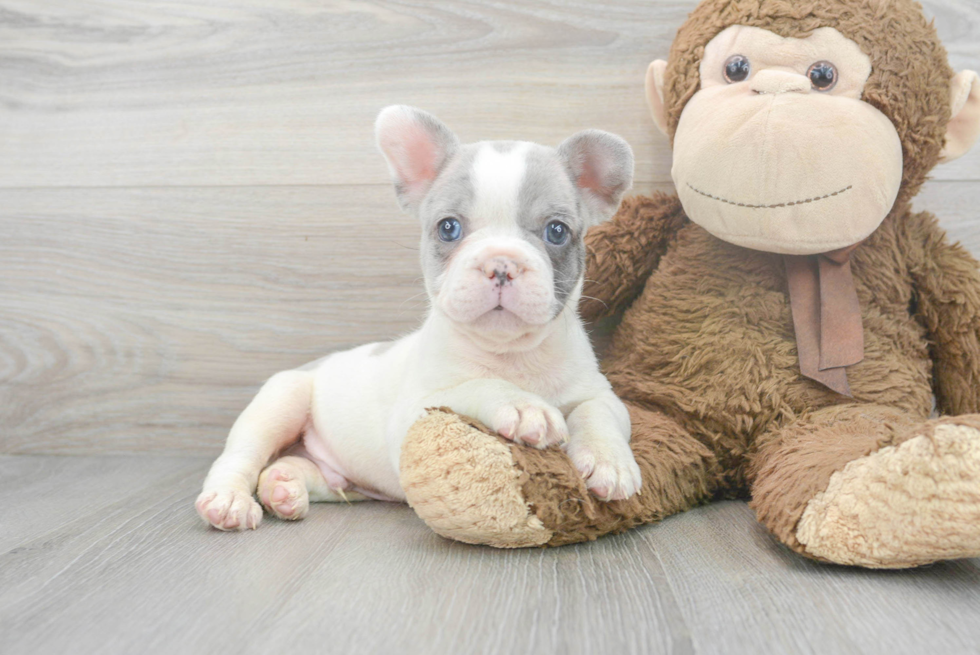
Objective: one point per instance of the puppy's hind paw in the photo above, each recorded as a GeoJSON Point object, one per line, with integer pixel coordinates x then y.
{"type": "Point", "coordinates": [283, 492]}
{"type": "Point", "coordinates": [229, 509]}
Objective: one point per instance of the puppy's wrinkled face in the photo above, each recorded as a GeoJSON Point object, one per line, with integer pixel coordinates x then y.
{"type": "Point", "coordinates": [502, 222]}
{"type": "Point", "coordinates": [502, 235]}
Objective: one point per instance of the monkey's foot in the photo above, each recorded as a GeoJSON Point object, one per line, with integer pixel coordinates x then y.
{"type": "Point", "coordinates": [902, 506]}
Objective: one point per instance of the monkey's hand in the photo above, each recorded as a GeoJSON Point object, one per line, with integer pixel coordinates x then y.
{"type": "Point", "coordinates": [623, 252]}
{"type": "Point", "coordinates": [947, 282]}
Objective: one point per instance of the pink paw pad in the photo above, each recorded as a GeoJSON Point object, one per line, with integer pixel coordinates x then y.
{"type": "Point", "coordinates": [283, 493]}
{"type": "Point", "coordinates": [280, 496]}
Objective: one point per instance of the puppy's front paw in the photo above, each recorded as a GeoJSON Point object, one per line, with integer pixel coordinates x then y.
{"type": "Point", "coordinates": [608, 466]}
{"type": "Point", "coordinates": [229, 509]}
{"type": "Point", "coordinates": [531, 422]}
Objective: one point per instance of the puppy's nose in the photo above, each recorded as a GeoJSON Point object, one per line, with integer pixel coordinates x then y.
{"type": "Point", "coordinates": [501, 268]}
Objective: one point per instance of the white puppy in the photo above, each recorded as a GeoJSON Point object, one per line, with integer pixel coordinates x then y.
{"type": "Point", "coordinates": [503, 258]}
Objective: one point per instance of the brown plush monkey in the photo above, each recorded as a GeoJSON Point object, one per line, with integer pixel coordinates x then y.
{"type": "Point", "coordinates": [787, 319]}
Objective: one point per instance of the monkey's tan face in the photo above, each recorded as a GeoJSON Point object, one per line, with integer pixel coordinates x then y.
{"type": "Point", "coordinates": [777, 151]}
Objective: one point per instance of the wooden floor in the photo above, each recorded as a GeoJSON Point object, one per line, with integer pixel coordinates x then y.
{"type": "Point", "coordinates": [106, 555]}
{"type": "Point", "coordinates": [190, 200]}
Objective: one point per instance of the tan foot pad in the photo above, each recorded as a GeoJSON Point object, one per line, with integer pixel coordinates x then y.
{"type": "Point", "coordinates": [463, 483]}
{"type": "Point", "coordinates": [901, 506]}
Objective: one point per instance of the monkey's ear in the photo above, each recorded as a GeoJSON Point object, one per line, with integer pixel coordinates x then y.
{"type": "Point", "coordinates": [964, 126]}
{"type": "Point", "coordinates": [655, 93]}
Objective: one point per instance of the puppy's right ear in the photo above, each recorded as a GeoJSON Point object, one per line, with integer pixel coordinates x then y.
{"type": "Point", "coordinates": [416, 146]}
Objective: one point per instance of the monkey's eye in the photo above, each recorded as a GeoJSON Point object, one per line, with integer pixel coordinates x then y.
{"type": "Point", "coordinates": [556, 233]}
{"type": "Point", "coordinates": [450, 229]}
{"type": "Point", "coordinates": [823, 76]}
{"type": "Point", "coordinates": [736, 69]}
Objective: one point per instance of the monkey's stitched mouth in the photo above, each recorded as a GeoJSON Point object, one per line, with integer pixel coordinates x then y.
{"type": "Point", "coordinates": [774, 206]}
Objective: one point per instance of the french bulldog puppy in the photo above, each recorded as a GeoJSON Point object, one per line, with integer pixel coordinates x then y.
{"type": "Point", "coordinates": [503, 260]}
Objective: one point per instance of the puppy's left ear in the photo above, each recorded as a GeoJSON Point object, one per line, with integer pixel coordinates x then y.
{"type": "Point", "coordinates": [417, 146]}
{"type": "Point", "coordinates": [600, 164]}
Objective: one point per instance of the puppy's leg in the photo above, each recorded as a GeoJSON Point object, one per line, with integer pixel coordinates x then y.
{"type": "Point", "coordinates": [507, 409]}
{"type": "Point", "coordinates": [291, 483]}
{"type": "Point", "coordinates": [271, 422]}
{"type": "Point", "coordinates": [599, 446]}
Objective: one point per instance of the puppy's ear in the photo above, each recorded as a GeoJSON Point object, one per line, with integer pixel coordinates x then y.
{"type": "Point", "coordinates": [601, 166]}
{"type": "Point", "coordinates": [416, 146]}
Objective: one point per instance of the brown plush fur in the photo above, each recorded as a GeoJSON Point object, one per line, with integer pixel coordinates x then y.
{"type": "Point", "coordinates": [706, 360]}
{"type": "Point", "coordinates": [705, 355]}
{"type": "Point", "coordinates": [678, 473]}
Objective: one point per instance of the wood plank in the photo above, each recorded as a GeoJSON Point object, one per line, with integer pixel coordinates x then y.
{"type": "Point", "coordinates": [113, 93]}
{"type": "Point", "coordinates": [42, 492]}
{"type": "Point", "coordinates": [372, 578]}
{"type": "Point", "coordinates": [145, 319]}
{"type": "Point", "coordinates": [367, 578]}
{"type": "Point", "coordinates": [742, 592]}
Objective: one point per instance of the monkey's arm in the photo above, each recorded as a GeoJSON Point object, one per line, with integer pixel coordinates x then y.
{"type": "Point", "coordinates": [947, 280]}
{"type": "Point", "coordinates": [623, 252]}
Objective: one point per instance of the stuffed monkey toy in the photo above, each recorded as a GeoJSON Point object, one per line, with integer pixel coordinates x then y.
{"type": "Point", "coordinates": [786, 319]}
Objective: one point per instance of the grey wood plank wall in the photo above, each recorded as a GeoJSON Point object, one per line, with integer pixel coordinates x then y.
{"type": "Point", "coordinates": [190, 199]}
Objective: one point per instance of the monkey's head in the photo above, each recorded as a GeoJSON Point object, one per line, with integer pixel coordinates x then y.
{"type": "Point", "coordinates": [798, 126]}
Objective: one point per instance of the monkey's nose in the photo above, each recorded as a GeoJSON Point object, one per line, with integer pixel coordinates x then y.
{"type": "Point", "coordinates": [776, 82]}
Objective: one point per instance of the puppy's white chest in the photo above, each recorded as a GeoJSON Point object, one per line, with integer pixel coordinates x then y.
{"type": "Point", "coordinates": [540, 373]}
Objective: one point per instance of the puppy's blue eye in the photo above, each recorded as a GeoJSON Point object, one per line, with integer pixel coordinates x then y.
{"type": "Point", "coordinates": [556, 233]}
{"type": "Point", "coordinates": [450, 229]}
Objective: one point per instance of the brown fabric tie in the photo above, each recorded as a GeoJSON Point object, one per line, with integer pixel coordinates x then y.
{"type": "Point", "coordinates": [826, 316]}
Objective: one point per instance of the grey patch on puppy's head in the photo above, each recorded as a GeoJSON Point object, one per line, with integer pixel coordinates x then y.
{"type": "Point", "coordinates": [547, 194]}
{"type": "Point", "coordinates": [503, 147]}
{"type": "Point", "coordinates": [580, 184]}
{"type": "Point", "coordinates": [451, 196]}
